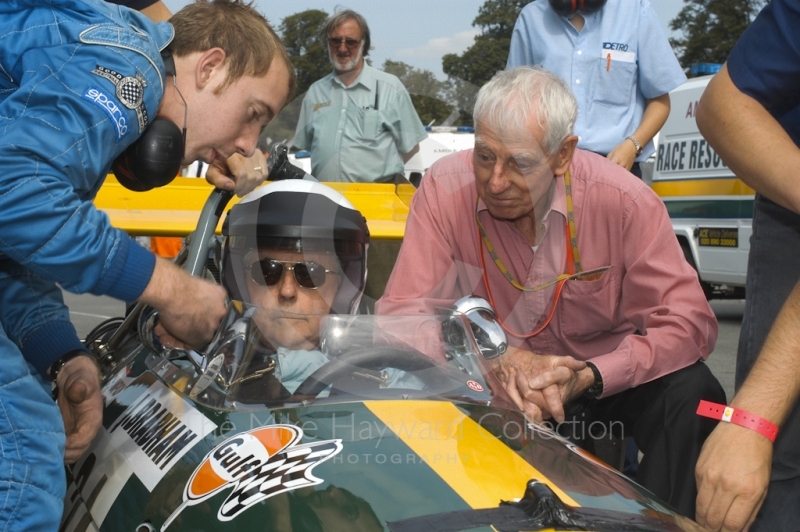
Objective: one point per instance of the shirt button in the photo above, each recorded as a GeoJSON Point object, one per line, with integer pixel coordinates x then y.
{"type": "Point", "coordinates": [577, 82]}
{"type": "Point", "coordinates": [580, 52]}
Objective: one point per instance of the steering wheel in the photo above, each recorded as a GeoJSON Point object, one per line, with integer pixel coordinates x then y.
{"type": "Point", "coordinates": [375, 358]}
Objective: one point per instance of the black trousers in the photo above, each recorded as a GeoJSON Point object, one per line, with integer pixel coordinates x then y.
{"type": "Point", "coordinates": [660, 415]}
{"type": "Point", "coordinates": [636, 170]}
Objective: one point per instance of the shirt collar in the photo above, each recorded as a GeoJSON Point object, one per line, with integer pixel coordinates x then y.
{"type": "Point", "coordinates": [364, 78]}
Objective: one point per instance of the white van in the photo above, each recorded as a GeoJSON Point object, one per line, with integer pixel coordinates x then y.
{"type": "Point", "coordinates": [711, 209]}
{"type": "Point", "coordinates": [441, 141]}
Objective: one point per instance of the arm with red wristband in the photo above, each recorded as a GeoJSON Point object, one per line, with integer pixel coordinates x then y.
{"type": "Point", "coordinates": [734, 466]}
{"type": "Point", "coordinates": [739, 417]}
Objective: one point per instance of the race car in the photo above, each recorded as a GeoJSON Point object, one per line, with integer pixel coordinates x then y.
{"type": "Point", "coordinates": [377, 437]}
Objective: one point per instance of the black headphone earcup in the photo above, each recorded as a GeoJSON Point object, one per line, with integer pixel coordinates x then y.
{"type": "Point", "coordinates": [566, 8]}
{"type": "Point", "coordinates": [153, 160]}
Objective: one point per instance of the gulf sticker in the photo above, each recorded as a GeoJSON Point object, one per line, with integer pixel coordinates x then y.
{"type": "Point", "coordinates": [257, 464]}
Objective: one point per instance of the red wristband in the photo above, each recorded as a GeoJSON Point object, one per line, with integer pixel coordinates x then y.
{"type": "Point", "coordinates": [738, 417]}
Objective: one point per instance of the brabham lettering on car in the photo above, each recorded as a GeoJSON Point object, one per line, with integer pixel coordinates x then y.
{"type": "Point", "coordinates": [156, 430]}
{"type": "Point", "coordinates": [258, 464]}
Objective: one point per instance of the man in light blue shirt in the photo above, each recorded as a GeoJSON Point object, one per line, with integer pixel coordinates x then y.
{"type": "Point", "coordinates": [358, 122]}
{"type": "Point", "coordinates": [618, 62]}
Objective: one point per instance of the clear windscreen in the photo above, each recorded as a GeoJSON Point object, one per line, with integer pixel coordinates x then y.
{"type": "Point", "coordinates": [268, 358]}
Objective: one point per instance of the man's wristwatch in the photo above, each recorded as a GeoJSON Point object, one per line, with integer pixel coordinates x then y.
{"type": "Point", "coordinates": [639, 147]}
{"type": "Point", "coordinates": [596, 389]}
{"type": "Point", "coordinates": [55, 367]}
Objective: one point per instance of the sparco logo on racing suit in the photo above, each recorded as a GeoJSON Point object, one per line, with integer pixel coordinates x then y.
{"type": "Point", "coordinates": [258, 464]}
{"type": "Point", "coordinates": [111, 108]}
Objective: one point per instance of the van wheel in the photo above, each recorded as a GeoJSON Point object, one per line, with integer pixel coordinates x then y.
{"type": "Point", "coordinates": [708, 290]}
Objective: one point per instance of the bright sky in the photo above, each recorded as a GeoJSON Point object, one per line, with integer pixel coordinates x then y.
{"type": "Point", "coordinates": [417, 32]}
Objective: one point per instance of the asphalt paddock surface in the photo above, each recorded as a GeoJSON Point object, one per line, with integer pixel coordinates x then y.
{"type": "Point", "coordinates": [86, 311]}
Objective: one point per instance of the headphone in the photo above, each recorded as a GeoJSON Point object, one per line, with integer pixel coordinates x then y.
{"type": "Point", "coordinates": [566, 8]}
{"type": "Point", "coordinates": [154, 159]}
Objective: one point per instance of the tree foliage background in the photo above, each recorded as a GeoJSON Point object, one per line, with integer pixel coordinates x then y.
{"type": "Point", "coordinates": [482, 60]}
{"type": "Point", "coordinates": [710, 29]}
{"type": "Point", "coordinates": [300, 35]}
{"type": "Point", "coordinates": [428, 94]}
{"type": "Point", "coordinates": [469, 71]}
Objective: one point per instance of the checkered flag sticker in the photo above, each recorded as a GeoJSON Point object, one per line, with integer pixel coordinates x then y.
{"type": "Point", "coordinates": [258, 464]}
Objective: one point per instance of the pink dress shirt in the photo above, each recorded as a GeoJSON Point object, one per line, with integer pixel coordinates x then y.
{"type": "Point", "coordinates": [643, 318]}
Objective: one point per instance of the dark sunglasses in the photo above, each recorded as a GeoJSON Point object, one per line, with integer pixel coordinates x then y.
{"type": "Point", "coordinates": [268, 272]}
{"type": "Point", "coordinates": [338, 41]}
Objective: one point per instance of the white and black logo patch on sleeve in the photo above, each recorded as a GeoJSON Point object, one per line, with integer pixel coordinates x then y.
{"type": "Point", "coordinates": [130, 92]}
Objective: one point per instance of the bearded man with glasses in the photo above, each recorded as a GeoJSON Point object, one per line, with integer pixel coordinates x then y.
{"type": "Point", "coordinates": [358, 122]}
{"type": "Point", "coordinates": [607, 324]}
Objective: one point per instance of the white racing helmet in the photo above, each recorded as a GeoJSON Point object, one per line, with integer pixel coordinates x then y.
{"type": "Point", "coordinates": [297, 215]}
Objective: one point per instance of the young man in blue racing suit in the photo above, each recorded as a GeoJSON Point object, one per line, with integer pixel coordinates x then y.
{"type": "Point", "coordinates": [81, 81]}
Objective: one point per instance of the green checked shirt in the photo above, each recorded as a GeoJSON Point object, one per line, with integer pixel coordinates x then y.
{"type": "Point", "coordinates": [358, 133]}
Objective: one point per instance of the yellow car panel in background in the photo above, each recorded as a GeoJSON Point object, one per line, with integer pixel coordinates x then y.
{"type": "Point", "coordinates": [173, 210]}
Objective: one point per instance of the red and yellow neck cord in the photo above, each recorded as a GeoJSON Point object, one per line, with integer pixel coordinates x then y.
{"type": "Point", "coordinates": [573, 266]}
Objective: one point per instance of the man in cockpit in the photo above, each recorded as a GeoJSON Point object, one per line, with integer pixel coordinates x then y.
{"type": "Point", "coordinates": [294, 252]}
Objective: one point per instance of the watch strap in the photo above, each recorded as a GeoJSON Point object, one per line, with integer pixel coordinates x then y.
{"type": "Point", "coordinates": [639, 147]}
{"type": "Point", "coordinates": [596, 389]}
{"type": "Point", "coordinates": [739, 417]}
{"type": "Point", "coordinates": [55, 367]}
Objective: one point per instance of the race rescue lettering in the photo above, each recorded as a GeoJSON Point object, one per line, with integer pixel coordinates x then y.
{"type": "Point", "coordinates": [257, 464]}
{"type": "Point", "coordinates": [111, 108]}
{"type": "Point", "coordinates": [318, 106]}
{"type": "Point", "coordinates": [156, 430]}
{"type": "Point", "coordinates": [687, 155]}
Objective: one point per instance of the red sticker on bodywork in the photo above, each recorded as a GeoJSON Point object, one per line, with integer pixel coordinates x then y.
{"type": "Point", "coordinates": [475, 386]}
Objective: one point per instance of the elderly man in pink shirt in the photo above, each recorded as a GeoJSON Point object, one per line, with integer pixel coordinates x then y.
{"type": "Point", "coordinates": [607, 322]}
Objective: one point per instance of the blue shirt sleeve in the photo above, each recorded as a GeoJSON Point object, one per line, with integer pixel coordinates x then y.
{"type": "Point", "coordinates": [765, 63]}
{"type": "Point", "coordinates": [659, 70]}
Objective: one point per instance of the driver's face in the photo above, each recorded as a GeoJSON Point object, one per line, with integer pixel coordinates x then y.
{"type": "Point", "coordinates": [288, 314]}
